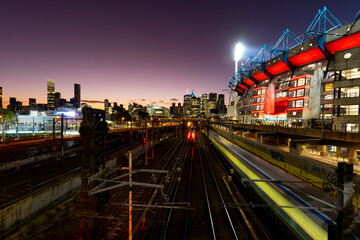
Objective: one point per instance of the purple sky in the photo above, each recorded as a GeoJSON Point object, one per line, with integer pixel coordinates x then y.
{"type": "Point", "coordinates": [128, 50]}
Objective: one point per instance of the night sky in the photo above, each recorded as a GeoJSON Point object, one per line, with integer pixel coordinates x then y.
{"type": "Point", "coordinates": [142, 51]}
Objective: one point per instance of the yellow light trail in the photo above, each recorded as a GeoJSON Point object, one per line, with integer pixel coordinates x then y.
{"type": "Point", "coordinates": [306, 223]}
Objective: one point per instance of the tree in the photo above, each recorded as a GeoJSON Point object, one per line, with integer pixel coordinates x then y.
{"type": "Point", "coordinates": [120, 114]}
{"type": "Point", "coordinates": [6, 117]}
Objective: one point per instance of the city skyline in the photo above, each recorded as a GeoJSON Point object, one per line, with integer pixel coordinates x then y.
{"type": "Point", "coordinates": [124, 53]}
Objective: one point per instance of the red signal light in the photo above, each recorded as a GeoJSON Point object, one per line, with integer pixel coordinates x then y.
{"type": "Point", "coordinates": [193, 135]}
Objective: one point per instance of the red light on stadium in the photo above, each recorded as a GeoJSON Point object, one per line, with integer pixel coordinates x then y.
{"type": "Point", "coordinates": [260, 76]}
{"type": "Point", "coordinates": [249, 82]}
{"type": "Point", "coordinates": [308, 56]}
{"type": "Point", "coordinates": [260, 103]}
{"type": "Point", "coordinates": [299, 87]}
{"type": "Point", "coordinates": [299, 98]}
{"type": "Point", "coordinates": [281, 99]}
{"type": "Point", "coordinates": [242, 86]}
{"type": "Point", "coordinates": [301, 76]}
{"type": "Point", "coordinates": [188, 136]}
{"type": "Point", "coordinates": [258, 88]}
{"type": "Point", "coordinates": [277, 68]}
{"type": "Point", "coordinates": [295, 109]}
{"type": "Point", "coordinates": [347, 42]}
{"type": "Point", "coordinates": [257, 96]}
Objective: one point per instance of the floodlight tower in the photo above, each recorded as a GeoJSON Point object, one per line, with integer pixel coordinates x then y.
{"type": "Point", "coordinates": [238, 52]}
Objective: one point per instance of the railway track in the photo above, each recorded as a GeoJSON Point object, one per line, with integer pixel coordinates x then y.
{"type": "Point", "coordinates": [197, 206]}
{"type": "Point", "coordinates": [143, 198]}
{"type": "Point", "coordinates": [19, 183]}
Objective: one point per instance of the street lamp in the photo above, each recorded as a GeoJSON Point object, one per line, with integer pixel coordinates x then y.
{"type": "Point", "coordinates": [239, 50]}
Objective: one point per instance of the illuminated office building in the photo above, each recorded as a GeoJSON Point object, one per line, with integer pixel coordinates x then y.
{"type": "Point", "coordinates": [50, 94]}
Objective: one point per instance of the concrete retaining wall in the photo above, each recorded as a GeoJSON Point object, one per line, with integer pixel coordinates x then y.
{"type": "Point", "coordinates": [22, 210]}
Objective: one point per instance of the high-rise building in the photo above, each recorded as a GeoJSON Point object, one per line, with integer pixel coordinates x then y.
{"type": "Point", "coordinates": [221, 103]}
{"type": "Point", "coordinates": [107, 106]}
{"type": "Point", "coordinates": [213, 96]}
{"type": "Point", "coordinates": [12, 104]}
{"type": "Point", "coordinates": [32, 104]}
{"type": "Point", "coordinates": [203, 103]}
{"type": "Point", "coordinates": [1, 97]}
{"type": "Point", "coordinates": [195, 106]}
{"type": "Point", "coordinates": [57, 99]}
{"type": "Point", "coordinates": [50, 94]}
{"type": "Point", "coordinates": [77, 98]}
{"type": "Point", "coordinates": [187, 104]}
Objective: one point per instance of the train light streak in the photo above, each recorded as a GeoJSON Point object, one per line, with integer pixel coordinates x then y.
{"type": "Point", "coordinates": [301, 219]}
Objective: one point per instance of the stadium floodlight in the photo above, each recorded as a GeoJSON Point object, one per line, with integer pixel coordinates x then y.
{"type": "Point", "coordinates": [239, 50]}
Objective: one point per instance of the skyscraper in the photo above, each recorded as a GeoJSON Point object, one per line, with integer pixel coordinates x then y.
{"type": "Point", "coordinates": [187, 104]}
{"type": "Point", "coordinates": [50, 94]}
{"type": "Point", "coordinates": [32, 104]}
{"type": "Point", "coordinates": [107, 106]}
{"type": "Point", "coordinates": [77, 98]}
{"type": "Point", "coordinates": [213, 96]}
{"type": "Point", "coordinates": [203, 103]}
{"type": "Point", "coordinates": [57, 99]}
{"type": "Point", "coordinates": [1, 96]}
{"type": "Point", "coordinates": [221, 103]}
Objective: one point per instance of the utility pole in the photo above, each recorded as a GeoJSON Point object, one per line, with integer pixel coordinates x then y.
{"type": "Point", "coordinates": [146, 141]}
{"type": "Point", "coordinates": [153, 140]}
{"type": "Point", "coordinates": [62, 136]}
{"type": "Point", "coordinates": [130, 196]}
{"type": "Point", "coordinates": [54, 129]}
{"type": "Point", "coordinates": [131, 132]}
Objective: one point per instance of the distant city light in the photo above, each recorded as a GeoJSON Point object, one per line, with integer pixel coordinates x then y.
{"type": "Point", "coordinates": [67, 114]}
{"type": "Point", "coordinates": [34, 113]}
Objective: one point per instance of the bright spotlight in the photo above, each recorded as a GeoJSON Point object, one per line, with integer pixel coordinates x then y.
{"type": "Point", "coordinates": [239, 50]}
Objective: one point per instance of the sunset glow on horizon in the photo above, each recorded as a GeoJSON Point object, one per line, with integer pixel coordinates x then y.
{"type": "Point", "coordinates": [139, 51]}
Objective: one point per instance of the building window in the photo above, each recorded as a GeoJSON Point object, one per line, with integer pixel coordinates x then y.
{"type": "Point", "coordinates": [329, 96]}
{"type": "Point", "coordinates": [299, 103]}
{"type": "Point", "coordinates": [291, 104]}
{"type": "Point", "coordinates": [326, 107]}
{"type": "Point", "coordinates": [307, 92]}
{"type": "Point", "coordinates": [306, 103]}
{"type": "Point", "coordinates": [300, 93]}
{"type": "Point", "coordinates": [301, 82]}
{"type": "Point", "coordinates": [352, 127]}
{"type": "Point", "coordinates": [346, 110]}
{"type": "Point", "coordinates": [292, 94]}
{"type": "Point", "coordinates": [329, 87]}
{"type": "Point", "coordinates": [283, 85]}
{"type": "Point", "coordinates": [349, 92]}
{"type": "Point", "coordinates": [350, 74]}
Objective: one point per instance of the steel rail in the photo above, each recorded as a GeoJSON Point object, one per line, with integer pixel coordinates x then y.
{"type": "Point", "coordinates": [219, 192]}
{"type": "Point", "coordinates": [206, 194]}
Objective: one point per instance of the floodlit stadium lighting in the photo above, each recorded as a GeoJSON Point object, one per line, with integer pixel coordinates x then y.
{"type": "Point", "coordinates": [239, 50]}
{"type": "Point", "coordinates": [347, 56]}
